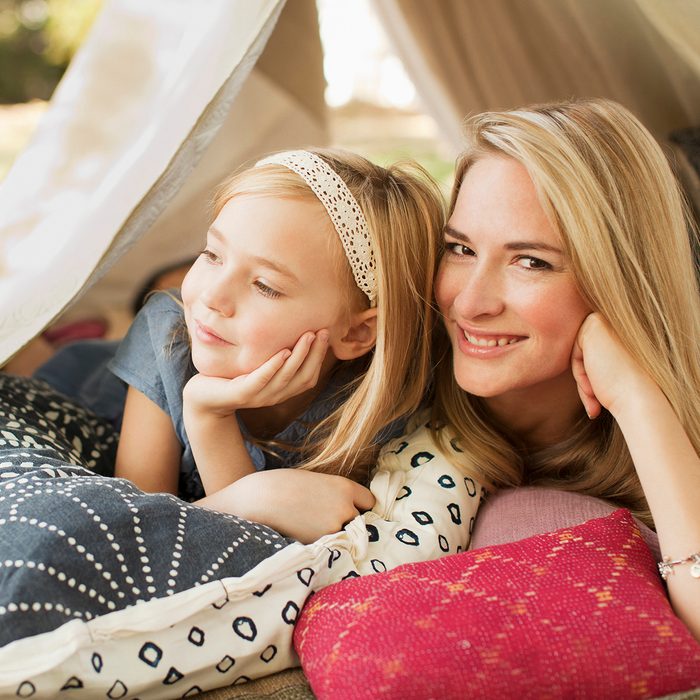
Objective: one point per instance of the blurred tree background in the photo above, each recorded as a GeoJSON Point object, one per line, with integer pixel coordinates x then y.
{"type": "Point", "coordinates": [37, 41]}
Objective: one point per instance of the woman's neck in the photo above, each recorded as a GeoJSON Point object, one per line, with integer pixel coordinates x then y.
{"type": "Point", "coordinates": [539, 421]}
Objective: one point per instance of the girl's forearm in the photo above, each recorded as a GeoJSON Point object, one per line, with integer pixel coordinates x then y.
{"type": "Point", "coordinates": [218, 449]}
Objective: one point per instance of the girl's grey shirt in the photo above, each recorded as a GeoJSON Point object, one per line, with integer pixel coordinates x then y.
{"type": "Point", "coordinates": [155, 358]}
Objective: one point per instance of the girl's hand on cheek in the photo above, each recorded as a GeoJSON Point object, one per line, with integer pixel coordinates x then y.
{"type": "Point", "coordinates": [606, 374]}
{"type": "Point", "coordinates": [284, 375]}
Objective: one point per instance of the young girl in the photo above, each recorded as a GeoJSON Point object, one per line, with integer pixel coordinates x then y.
{"type": "Point", "coordinates": [571, 306]}
{"type": "Point", "coordinates": [302, 336]}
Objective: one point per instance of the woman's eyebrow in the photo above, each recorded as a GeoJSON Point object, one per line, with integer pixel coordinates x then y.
{"type": "Point", "coordinates": [513, 245]}
{"type": "Point", "coordinates": [449, 231]}
{"type": "Point", "coordinates": [534, 245]}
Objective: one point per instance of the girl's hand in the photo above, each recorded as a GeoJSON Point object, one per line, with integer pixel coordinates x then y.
{"type": "Point", "coordinates": [605, 373]}
{"type": "Point", "coordinates": [297, 503]}
{"type": "Point", "coordinates": [284, 375]}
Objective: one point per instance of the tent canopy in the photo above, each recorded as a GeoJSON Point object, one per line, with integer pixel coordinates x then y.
{"type": "Point", "coordinates": [165, 98]}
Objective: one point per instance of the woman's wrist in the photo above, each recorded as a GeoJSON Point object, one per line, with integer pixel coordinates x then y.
{"type": "Point", "coordinates": [641, 396]}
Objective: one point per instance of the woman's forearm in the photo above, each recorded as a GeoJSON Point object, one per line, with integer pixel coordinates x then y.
{"type": "Point", "coordinates": [669, 471]}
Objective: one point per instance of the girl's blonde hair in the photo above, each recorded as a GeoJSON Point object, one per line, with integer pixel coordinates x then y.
{"type": "Point", "coordinates": [405, 214]}
{"type": "Point", "coordinates": [608, 187]}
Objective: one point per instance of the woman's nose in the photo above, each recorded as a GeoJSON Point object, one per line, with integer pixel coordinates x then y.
{"type": "Point", "coordinates": [480, 294]}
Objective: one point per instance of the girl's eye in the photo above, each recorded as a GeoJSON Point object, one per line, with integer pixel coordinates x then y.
{"type": "Point", "coordinates": [266, 291]}
{"type": "Point", "coordinates": [458, 249]}
{"type": "Point", "coordinates": [530, 263]}
{"type": "Point", "coordinates": [209, 256]}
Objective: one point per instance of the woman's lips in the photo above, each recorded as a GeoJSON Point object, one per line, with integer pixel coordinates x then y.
{"type": "Point", "coordinates": [485, 344]}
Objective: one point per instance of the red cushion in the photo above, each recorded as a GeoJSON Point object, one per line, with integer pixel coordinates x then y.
{"type": "Point", "coordinates": [576, 613]}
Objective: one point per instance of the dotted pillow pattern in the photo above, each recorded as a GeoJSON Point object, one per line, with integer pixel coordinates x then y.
{"type": "Point", "coordinates": [580, 612]}
{"type": "Point", "coordinates": [109, 591]}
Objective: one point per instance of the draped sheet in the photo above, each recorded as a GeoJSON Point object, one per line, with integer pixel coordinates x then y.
{"type": "Point", "coordinates": [137, 108]}
{"type": "Point", "coordinates": [467, 56]}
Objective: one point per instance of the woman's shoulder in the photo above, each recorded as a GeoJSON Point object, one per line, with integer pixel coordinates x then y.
{"type": "Point", "coordinates": [426, 438]}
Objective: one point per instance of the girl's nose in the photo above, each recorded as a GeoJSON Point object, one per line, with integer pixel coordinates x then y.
{"type": "Point", "coordinates": [481, 294]}
{"type": "Point", "coordinates": [218, 296]}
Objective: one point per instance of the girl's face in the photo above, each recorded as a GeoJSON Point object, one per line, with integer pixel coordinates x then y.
{"type": "Point", "coordinates": [509, 300]}
{"type": "Point", "coordinates": [269, 273]}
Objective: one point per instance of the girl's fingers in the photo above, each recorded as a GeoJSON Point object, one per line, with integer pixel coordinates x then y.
{"type": "Point", "coordinates": [285, 374]}
{"type": "Point", "coordinates": [363, 498]}
{"type": "Point", "coordinates": [303, 367]}
{"type": "Point", "coordinates": [263, 375]}
{"type": "Point", "coordinates": [311, 366]}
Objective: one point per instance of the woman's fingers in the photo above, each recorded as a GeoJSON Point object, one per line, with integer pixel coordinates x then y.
{"type": "Point", "coordinates": [583, 383]}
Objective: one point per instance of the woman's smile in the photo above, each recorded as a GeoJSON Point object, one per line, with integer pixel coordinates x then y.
{"type": "Point", "coordinates": [510, 302]}
{"type": "Point", "coordinates": [486, 344]}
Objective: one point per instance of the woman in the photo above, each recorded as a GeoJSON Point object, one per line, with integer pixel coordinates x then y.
{"type": "Point", "coordinates": [572, 311]}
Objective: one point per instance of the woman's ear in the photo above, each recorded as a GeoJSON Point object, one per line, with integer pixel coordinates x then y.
{"type": "Point", "coordinates": [360, 336]}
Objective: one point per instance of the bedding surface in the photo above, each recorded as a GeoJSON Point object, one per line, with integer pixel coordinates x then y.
{"type": "Point", "coordinates": [147, 594]}
{"type": "Point", "coordinates": [76, 545]}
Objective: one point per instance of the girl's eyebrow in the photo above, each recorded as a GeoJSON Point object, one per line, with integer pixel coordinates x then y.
{"type": "Point", "coordinates": [513, 245]}
{"type": "Point", "coordinates": [276, 266]}
{"type": "Point", "coordinates": [260, 260]}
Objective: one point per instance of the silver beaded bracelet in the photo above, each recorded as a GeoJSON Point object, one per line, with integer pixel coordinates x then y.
{"type": "Point", "coordinates": [666, 566]}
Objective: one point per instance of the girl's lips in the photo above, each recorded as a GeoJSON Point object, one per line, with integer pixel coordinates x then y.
{"type": "Point", "coordinates": [207, 335]}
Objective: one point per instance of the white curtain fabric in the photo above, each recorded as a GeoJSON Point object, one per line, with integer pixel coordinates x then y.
{"type": "Point", "coordinates": [280, 105]}
{"type": "Point", "coordinates": [466, 56]}
{"type": "Point", "coordinates": [163, 85]}
{"type": "Point", "coordinates": [134, 113]}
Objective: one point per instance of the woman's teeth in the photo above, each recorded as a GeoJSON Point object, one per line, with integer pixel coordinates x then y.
{"type": "Point", "coordinates": [489, 342]}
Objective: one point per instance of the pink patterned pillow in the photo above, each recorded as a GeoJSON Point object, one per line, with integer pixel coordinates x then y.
{"type": "Point", "coordinates": [576, 613]}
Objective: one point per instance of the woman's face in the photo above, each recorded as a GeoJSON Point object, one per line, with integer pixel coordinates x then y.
{"type": "Point", "coordinates": [509, 299]}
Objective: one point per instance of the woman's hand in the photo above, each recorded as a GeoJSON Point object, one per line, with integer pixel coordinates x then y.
{"type": "Point", "coordinates": [301, 504]}
{"type": "Point", "coordinates": [286, 374]}
{"type": "Point", "coordinates": [606, 374]}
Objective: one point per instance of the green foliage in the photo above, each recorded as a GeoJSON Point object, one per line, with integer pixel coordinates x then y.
{"type": "Point", "coordinates": [37, 40]}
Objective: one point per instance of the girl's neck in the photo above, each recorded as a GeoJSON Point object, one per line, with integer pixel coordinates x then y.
{"type": "Point", "coordinates": [267, 421]}
{"type": "Point", "coordinates": [538, 421]}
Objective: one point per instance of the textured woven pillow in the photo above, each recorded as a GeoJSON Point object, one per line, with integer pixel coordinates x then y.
{"type": "Point", "coordinates": [580, 612]}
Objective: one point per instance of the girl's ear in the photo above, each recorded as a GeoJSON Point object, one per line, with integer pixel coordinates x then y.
{"type": "Point", "coordinates": [360, 336]}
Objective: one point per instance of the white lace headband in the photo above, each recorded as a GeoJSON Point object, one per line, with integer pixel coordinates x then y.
{"type": "Point", "coordinates": [342, 207]}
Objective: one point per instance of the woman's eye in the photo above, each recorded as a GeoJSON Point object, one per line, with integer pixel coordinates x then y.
{"type": "Point", "coordinates": [458, 249]}
{"type": "Point", "coordinates": [530, 263]}
{"type": "Point", "coordinates": [266, 291]}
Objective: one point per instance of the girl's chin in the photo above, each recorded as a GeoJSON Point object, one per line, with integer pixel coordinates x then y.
{"type": "Point", "coordinates": [209, 369]}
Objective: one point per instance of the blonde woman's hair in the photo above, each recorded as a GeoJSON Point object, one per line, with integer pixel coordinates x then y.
{"type": "Point", "coordinates": [625, 226]}
{"type": "Point", "coordinates": [404, 210]}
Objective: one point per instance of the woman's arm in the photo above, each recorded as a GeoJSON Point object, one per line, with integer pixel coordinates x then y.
{"type": "Point", "coordinates": [149, 452]}
{"type": "Point", "coordinates": [666, 462]}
